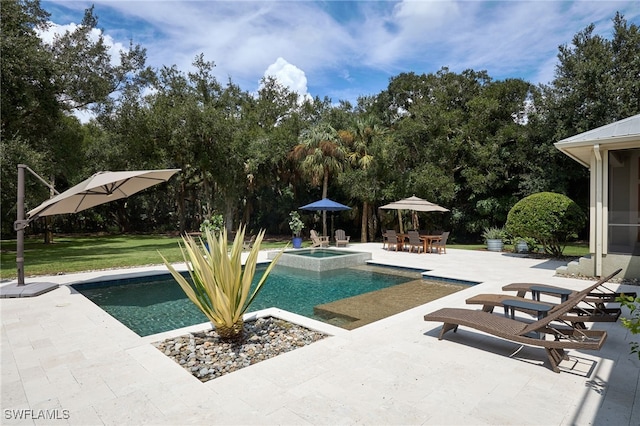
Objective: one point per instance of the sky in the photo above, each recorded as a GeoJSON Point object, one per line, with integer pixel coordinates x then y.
{"type": "Point", "coordinates": [346, 49]}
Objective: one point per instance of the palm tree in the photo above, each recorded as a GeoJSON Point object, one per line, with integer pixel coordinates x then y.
{"type": "Point", "coordinates": [320, 154]}
{"type": "Point", "coordinates": [360, 140]}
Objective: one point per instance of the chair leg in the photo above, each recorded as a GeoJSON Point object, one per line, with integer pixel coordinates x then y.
{"type": "Point", "coordinates": [446, 327]}
{"type": "Point", "coordinates": [556, 356]}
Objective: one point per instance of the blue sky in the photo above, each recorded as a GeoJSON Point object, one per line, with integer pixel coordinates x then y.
{"type": "Point", "coordinates": [344, 49]}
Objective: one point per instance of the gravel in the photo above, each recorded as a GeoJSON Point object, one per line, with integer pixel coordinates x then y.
{"type": "Point", "coordinates": [206, 357]}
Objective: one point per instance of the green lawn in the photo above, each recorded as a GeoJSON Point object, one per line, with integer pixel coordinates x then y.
{"type": "Point", "coordinates": [576, 249]}
{"type": "Point", "coordinates": [84, 253]}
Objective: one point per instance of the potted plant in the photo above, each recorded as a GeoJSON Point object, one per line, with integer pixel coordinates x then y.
{"type": "Point", "coordinates": [296, 225]}
{"type": "Point", "coordinates": [214, 224]}
{"type": "Point", "coordinates": [494, 238]}
{"type": "Point", "coordinates": [522, 246]}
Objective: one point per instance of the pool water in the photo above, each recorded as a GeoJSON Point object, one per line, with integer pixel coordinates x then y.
{"type": "Point", "coordinates": [159, 304]}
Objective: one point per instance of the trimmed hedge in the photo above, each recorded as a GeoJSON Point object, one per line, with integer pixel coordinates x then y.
{"type": "Point", "coordinates": [552, 219]}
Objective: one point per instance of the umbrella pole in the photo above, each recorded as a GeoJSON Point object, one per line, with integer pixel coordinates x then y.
{"type": "Point", "coordinates": [19, 226]}
{"type": "Point", "coordinates": [400, 221]}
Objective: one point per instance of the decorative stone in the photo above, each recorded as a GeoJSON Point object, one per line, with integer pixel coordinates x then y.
{"type": "Point", "coordinates": [207, 357]}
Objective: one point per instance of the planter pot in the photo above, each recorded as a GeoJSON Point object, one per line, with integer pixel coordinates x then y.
{"type": "Point", "coordinates": [494, 245]}
{"type": "Point", "coordinates": [297, 242]}
{"type": "Point", "coordinates": [522, 247]}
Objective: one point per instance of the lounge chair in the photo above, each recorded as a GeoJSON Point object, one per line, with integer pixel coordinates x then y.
{"type": "Point", "coordinates": [441, 244]}
{"type": "Point", "coordinates": [317, 241]}
{"type": "Point", "coordinates": [415, 241]}
{"type": "Point", "coordinates": [599, 296]}
{"type": "Point", "coordinates": [342, 239]}
{"type": "Point", "coordinates": [532, 334]}
{"type": "Point", "coordinates": [578, 316]}
{"type": "Point", "coordinates": [391, 239]}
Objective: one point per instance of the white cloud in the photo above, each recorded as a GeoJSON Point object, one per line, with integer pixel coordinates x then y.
{"type": "Point", "coordinates": [289, 76]}
{"type": "Point", "coordinates": [355, 46]}
{"type": "Point", "coordinates": [54, 30]}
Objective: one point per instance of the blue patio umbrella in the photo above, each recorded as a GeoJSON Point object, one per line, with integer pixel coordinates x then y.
{"type": "Point", "coordinates": [325, 205]}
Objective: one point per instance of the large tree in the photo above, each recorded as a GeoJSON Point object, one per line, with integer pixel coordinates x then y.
{"type": "Point", "coordinates": [365, 141]}
{"type": "Point", "coordinates": [320, 154]}
{"type": "Point", "coordinates": [43, 84]}
{"type": "Point", "coordinates": [597, 82]}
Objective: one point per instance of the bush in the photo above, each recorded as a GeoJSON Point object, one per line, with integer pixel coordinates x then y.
{"type": "Point", "coordinates": [633, 322]}
{"type": "Point", "coordinates": [552, 219]}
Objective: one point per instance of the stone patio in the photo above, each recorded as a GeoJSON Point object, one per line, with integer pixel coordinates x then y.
{"type": "Point", "coordinates": [65, 358]}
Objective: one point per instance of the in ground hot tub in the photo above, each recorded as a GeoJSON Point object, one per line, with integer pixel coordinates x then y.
{"type": "Point", "coordinates": [321, 259]}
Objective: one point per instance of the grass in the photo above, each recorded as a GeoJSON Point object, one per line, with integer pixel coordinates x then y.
{"type": "Point", "coordinates": [85, 253]}
{"type": "Point", "coordinates": [70, 254]}
{"type": "Point", "coordinates": [573, 249]}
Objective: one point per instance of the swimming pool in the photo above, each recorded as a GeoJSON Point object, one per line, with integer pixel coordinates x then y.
{"type": "Point", "coordinates": [156, 304]}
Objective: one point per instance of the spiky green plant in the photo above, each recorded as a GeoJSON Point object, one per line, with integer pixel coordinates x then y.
{"type": "Point", "coordinates": [219, 284]}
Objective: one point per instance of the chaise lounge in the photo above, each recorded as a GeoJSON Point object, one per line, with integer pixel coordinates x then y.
{"type": "Point", "coordinates": [600, 295]}
{"type": "Point", "coordinates": [531, 334]}
{"type": "Point", "coordinates": [578, 316]}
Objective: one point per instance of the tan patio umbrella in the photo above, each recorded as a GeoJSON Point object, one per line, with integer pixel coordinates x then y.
{"type": "Point", "coordinates": [415, 204]}
{"type": "Point", "coordinates": [100, 188]}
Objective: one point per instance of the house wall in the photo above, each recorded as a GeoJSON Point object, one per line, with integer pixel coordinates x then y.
{"type": "Point", "coordinates": [614, 215]}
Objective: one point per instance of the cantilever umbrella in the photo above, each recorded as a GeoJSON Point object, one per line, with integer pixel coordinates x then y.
{"type": "Point", "coordinates": [326, 205]}
{"type": "Point", "coordinates": [415, 204]}
{"type": "Point", "coordinates": [100, 188]}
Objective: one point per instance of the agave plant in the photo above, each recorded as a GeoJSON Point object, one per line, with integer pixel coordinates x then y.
{"type": "Point", "coordinates": [219, 284]}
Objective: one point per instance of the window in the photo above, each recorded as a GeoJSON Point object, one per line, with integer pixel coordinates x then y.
{"type": "Point", "coordinates": [624, 201]}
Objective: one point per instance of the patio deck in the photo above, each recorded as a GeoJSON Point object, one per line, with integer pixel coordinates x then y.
{"type": "Point", "coordinates": [63, 355]}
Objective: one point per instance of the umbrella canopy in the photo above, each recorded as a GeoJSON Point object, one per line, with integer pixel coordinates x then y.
{"type": "Point", "coordinates": [415, 204]}
{"type": "Point", "coordinates": [325, 205]}
{"type": "Point", "coordinates": [100, 188]}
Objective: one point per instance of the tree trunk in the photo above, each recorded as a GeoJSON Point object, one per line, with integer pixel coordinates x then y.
{"type": "Point", "coordinates": [365, 222]}
{"type": "Point", "coordinates": [181, 208]}
{"type": "Point", "coordinates": [325, 188]}
{"type": "Point", "coordinates": [228, 214]}
{"type": "Point", "coordinates": [373, 224]}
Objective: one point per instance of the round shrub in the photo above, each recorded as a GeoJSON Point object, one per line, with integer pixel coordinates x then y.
{"type": "Point", "coordinates": [552, 219]}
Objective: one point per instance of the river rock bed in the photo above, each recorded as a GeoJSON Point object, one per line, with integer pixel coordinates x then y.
{"type": "Point", "coordinates": [206, 357]}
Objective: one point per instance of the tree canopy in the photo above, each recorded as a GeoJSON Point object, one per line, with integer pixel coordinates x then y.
{"type": "Point", "coordinates": [462, 140]}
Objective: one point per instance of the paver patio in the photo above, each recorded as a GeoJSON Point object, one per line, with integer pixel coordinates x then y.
{"type": "Point", "coordinates": [65, 356]}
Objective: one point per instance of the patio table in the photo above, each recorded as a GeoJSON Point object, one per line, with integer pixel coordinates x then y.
{"type": "Point", "coordinates": [428, 241]}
